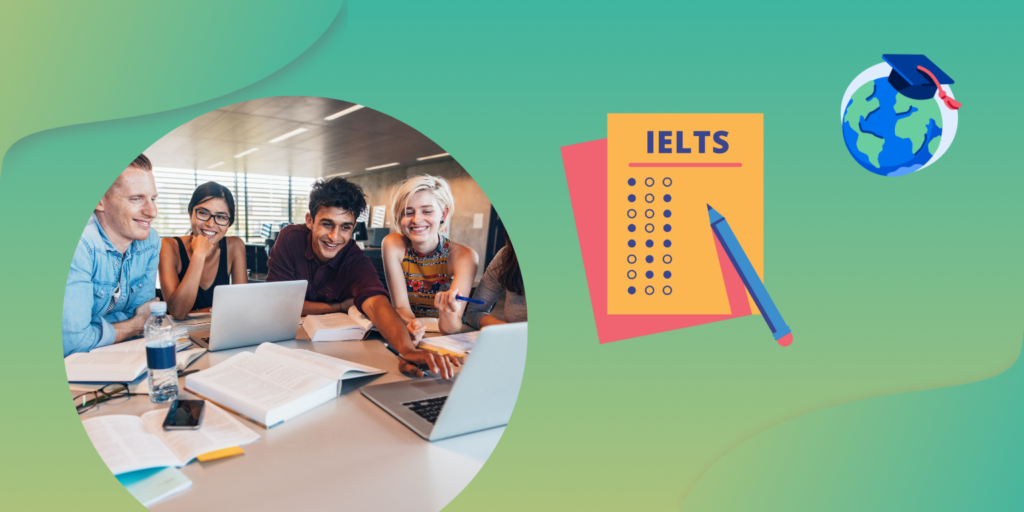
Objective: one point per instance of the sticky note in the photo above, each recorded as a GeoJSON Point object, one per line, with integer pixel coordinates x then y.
{"type": "Point", "coordinates": [220, 454]}
{"type": "Point", "coordinates": [663, 171]}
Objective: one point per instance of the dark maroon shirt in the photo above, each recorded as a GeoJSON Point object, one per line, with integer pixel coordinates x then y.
{"type": "Point", "coordinates": [349, 274]}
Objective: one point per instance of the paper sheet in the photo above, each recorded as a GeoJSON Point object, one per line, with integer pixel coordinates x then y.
{"type": "Point", "coordinates": [662, 257]}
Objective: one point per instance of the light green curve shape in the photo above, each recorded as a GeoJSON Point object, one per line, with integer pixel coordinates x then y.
{"type": "Point", "coordinates": [81, 62]}
{"type": "Point", "coordinates": [948, 449]}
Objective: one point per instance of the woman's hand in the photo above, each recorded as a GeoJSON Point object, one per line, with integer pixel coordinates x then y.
{"type": "Point", "coordinates": [201, 247]}
{"type": "Point", "coordinates": [416, 329]}
{"type": "Point", "coordinates": [446, 302]}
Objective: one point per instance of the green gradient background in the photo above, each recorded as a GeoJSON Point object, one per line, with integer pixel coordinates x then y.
{"type": "Point", "coordinates": [891, 285]}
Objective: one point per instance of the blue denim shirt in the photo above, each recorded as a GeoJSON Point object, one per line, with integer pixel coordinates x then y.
{"type": "Point", "coordinates": [96, 270]}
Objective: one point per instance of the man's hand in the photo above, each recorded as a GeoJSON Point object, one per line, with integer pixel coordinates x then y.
{"type": "Point", "coordinates": [441, 365]}
{"type": "Point", "coordinates": [142, 312]}
{"type": "Point", "coordinates": [446, 301]}
{"type": "Point", "coordinates": [201, 246]}
{"type": "Point", "coordinates": [416, 329]}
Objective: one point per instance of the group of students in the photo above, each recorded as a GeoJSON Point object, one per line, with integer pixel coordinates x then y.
{"type": "Point", "coordinates": [119, 257]}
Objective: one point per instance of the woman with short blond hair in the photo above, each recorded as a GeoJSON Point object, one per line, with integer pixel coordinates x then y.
{"type": "Point", "coordinates": [425, 270]}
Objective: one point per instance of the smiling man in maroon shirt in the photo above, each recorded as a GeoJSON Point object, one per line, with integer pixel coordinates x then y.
{"type": "Point", "coordinates": [322, 253]}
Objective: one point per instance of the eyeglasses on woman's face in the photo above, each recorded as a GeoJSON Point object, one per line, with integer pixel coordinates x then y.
{"type": "Point", "coordinates": [203, 215]}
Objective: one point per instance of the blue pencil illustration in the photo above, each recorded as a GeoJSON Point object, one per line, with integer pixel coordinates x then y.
{"type": "Point", "coordinates": [750, 278]}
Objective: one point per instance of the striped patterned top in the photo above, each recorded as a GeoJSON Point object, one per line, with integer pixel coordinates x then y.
{"type": "Point", "coordinates": [425, 275]}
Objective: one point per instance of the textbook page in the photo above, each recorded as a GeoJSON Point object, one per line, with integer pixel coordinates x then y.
{"type": "Point", "coordinates": [459, 344]}
{"type": "Point", "coordinates": [325, 366]}
{"type": "Point", "coordinates": [195, 319]}
{"type": "Point", "coordinates": [430, 324]}
{"type": "Point", "coordinates": [361, 319]}
{"type": "Point", "coordinates": [218, 430]}
{"type": "Point", "coordinates": [138, 345]}
{"type": "Point", "coordinates": [254, 385]}
{"type": "Point", "coordinates": [105, 366]}
{"type": "Point", "coordinates": [333, 327]}
{"type": "Point", "coordinates": [125, 445]}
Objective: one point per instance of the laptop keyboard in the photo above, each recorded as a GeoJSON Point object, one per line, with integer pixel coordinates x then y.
{"type": "Point", "coordinates": [427, 409]}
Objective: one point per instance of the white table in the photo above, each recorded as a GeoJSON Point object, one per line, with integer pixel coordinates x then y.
{"type": "Point", "coordinates": [347, 454]}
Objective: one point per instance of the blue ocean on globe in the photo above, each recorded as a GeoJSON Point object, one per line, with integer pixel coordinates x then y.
{"type": "Point", "coordinates": [888, 133]}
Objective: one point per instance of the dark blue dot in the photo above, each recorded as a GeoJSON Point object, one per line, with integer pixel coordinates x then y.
{"type": "Point", "coordinates": [668, 274]}
{"type": "Point", "coordinates": [631, 182]}
{"type": "Point", "coordinates": [649, 274]}
{"type": "Point", "coordinates": [632, 243]}
{"type": "Point", "coordinates": [668, 213]}
{"type": "Point", "coordinates": [631, 228]}
{"type": "Point", "coordinates": [668, 198]}
{"type": "Point", "coordinates": [631, 198]}
{"type": "Point", "coordinates": [650, 243]}
{"type": "Point", "coordinates": [650, 259]}
{"type": "Point", "coordinates": [631, 290]}
{"type": "Point", "coordinates": [668, 228]}
{"type": "Point", "coordinates": [668, 243]}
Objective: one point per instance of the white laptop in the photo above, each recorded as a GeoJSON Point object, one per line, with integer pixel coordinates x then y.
{"type": "Point", "coordinates": [481, 397]}
{"type": "Point", "coordinates": [254, 313]}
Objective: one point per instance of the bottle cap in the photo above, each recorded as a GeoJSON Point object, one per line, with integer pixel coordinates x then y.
{"type": "Point", "coordinates": [158, 308]}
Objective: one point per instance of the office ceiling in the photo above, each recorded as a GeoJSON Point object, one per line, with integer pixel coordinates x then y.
{"type": "Point", "coordinates": [351, 143]}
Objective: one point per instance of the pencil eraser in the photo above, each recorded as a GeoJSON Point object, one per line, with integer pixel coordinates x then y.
{"type": "Point", "coordinates": [786, 340]}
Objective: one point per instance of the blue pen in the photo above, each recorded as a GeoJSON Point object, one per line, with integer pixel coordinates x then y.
{"type": "Point", "coordinates": [467, 299]}
{"type": "Point", "coordinates": [750, 278]}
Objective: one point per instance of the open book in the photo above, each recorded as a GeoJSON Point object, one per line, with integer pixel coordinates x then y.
{"type": "Point", "coordinates": [131, 443]}
{"type": "Point", "coordinates": [458, 345]}
{"type": "Point", "coordinates": [195, 318]}
{"type": "Point", "coordinates": [338, 326]}
{"type": "Point", "coordinates": [123, 362]}
{"type": "Point", "coordinates": [152, 485]}
{"type": "Point", "coordinates": [275, 384]}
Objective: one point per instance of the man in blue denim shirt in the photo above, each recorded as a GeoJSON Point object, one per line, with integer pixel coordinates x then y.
{"type": "Point", "coordinates": [113, 273]}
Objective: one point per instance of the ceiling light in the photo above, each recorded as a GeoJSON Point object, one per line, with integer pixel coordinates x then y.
{"type": "Point", "coordinates": [339, 174]}
{"type": "Point", "coordinates": [253, 150]}
{"type": "Point", "coordinates": [381, 166]}
{"type": "Point", "coordinates": [289, 135]}
{"type": "Point", "coordinates": [218, 164]}
{"type": "Point", "coordinates": [349, 110]}
{"type": "Point", "coordinates": [432, 156]}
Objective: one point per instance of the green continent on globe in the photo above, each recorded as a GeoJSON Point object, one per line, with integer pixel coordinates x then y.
{"type": "Point", "coordinates": [915, 125]}
{"type": "Point", "coordinates": [860, 108]}
{"type": "Point", "coordinates": [933, 146]}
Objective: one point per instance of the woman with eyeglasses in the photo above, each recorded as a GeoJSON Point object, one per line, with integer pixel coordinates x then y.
{"type": "Point", "coordinates": [191, 266]}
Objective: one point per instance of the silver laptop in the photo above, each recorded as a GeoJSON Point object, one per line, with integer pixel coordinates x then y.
{"type": "Point", "coordinates": [481, 397]}
{"type": "Point", "coordinates": [250, 314]}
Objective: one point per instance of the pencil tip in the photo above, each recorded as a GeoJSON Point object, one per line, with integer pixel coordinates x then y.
{"type": "Point", "coordinates": [709, 208]}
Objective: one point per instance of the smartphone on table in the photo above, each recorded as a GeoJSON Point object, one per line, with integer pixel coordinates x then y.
{"type": "Point", "coordinates": [185, 415]}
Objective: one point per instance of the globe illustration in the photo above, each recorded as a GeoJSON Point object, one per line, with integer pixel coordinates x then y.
{"type": "Point", "coordinates": [890, 134]}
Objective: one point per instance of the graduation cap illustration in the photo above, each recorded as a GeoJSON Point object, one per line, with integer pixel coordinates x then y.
{"type": "Point", "coordinates": [917, 77]}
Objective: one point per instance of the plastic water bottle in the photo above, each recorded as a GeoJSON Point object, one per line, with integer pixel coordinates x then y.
{"type": "Point", "coordinates": [160, 354]}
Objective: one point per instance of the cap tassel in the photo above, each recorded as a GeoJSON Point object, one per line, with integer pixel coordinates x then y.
{"type": "Point", "coordinates": [949, 101]}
